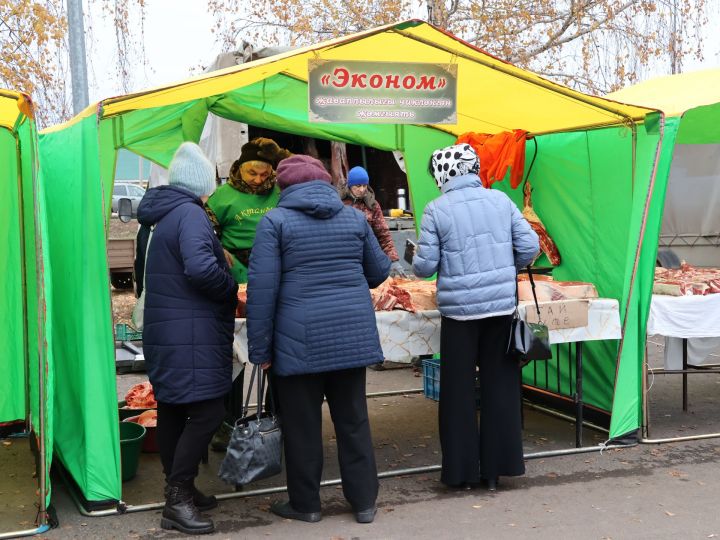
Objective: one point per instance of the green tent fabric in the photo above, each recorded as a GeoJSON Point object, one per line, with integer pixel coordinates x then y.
{"type": "Point", "coordinates": [86, 426]}
{"type": "Point", "coordinates": [598, 189]}
{"type": "Point", "coordinates": [26, 387]}
{"type": "Point", "coordinates": [13, 386]}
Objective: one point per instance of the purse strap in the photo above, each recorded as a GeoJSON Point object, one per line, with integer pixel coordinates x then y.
{"type": "Point", "coordinates": [147, 252]}
{"type": "Point", "coordinates": [532, 286]}
{"type": "Point", "coordinates": [262, 379]}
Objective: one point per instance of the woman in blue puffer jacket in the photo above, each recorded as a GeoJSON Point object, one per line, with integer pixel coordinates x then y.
{"type": "Point", "coordinates": [190, 300]}
{"type": "Point", "coordinates": [311, 265]}
{"type": "Point", "coordinates": [475, 239]}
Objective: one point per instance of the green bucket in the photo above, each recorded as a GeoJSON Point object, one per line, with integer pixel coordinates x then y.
{"type": "Point", "coordinates": [131, 438]}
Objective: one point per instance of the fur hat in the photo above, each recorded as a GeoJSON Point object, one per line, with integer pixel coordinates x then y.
{"type": "Point", "coordinates": [190, 169]}
{"type": "Point", "coordinates": [357, 176]}
{"type": "Point", "coordinates": [262, 149]}
{"type": "Point", "coordinates": [299, 169]}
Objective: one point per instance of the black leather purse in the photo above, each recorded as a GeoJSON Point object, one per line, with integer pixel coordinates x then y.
{"type": "Point", "coordinates": [255, 448]}
{"type": "Point", "coordinates": [528, 341]}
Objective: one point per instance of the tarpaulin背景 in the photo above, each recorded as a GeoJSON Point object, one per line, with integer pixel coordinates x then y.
{"type": "Point", "coordinates": [26, 388]}
{"type": "Point", "coordinates": [597, 162]}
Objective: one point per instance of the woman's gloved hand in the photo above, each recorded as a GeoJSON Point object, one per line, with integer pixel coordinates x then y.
{"type": "Point", "coordinates": [396, 270]}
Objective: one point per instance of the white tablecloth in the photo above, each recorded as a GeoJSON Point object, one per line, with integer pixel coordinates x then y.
{"type": "Point", "coordinates": [404, 335]}
{"type": "Point", "coordinates": [685, 316]}
{"type": "Point", "coordinates": [696, 318]}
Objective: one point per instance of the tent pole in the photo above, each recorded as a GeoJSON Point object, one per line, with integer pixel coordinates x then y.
{"type": "Point", "coordinates": [27, 532]}
{"type": "Point", "coordinates": [645, 412]}
{"type": "Point", "coordinates": [23, 278]}
{"type": "Point", "coordinates": [680, 439]}
{"type": "Point", "coordinates": [41, 358]}
{"type": "Point", "coordinates": [333, 482]}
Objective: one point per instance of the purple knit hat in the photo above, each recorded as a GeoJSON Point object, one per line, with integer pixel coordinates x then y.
{"type": "Point", "coordinates": [299, 169]}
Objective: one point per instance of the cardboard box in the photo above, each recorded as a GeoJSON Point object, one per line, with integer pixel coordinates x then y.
{"type": "Point", "coordinates": [560, 314]}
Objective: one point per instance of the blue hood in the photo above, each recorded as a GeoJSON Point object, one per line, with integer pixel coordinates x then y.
{"type": "Point", "coordinates": [158, 201]}
{"type": "Point", "coordinates": [316, 198]}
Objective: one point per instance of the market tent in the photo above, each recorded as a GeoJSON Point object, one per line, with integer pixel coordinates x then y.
{"type": "Point", "coordinates": [691, 222]}
{"type": "Point", "coordinates": [26, 390]}
{"type": "Point", "coordinates": [599, 166]}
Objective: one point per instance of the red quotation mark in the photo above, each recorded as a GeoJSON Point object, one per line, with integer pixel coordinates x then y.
{"type": "Point", "coordinates": [442, 83]}
{"type": "Point", "coordinates": [325, 80]}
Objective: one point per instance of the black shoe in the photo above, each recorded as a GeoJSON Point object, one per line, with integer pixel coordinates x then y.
{"type": "Point", "coordinates": [202, 501]}
{"type": "Point", "coordinates": [492, 484]}
{"type": "Point", "coordinates": [284, 510]}
{"type": "Point", "coordinates": [380, 366]}
{"type": "Point", "coordinates": [180, 513]}
{"type": "Point", "coordinates": [221, 439]}
{"type": "Point", "coordinates": [366, 516]}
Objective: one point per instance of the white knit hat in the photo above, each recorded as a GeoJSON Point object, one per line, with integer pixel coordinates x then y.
{"type": "Point", "coordinates": [190, 169]}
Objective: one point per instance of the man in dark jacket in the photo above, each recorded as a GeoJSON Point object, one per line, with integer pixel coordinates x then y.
{"type": "Point", "coordinates": [190, 300]}
{"type": "Point", "coordinates": [312, 263]}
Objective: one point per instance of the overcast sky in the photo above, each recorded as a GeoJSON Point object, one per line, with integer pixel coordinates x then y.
{"type": "Point", "coordinates": [178, 40]}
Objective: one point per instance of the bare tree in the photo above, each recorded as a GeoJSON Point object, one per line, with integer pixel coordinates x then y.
{"type": "Point", "coordinates": [593, 45]}
{"type": "Point", "coordinates": [33, 50]}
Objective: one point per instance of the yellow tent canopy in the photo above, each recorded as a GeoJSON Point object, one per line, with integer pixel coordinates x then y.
{"type": "Point", "coordinates": [674, 94]}
{"type": "Point", "coordinates": [13, 105]}
{"type": "Point", "coordinates": [493, 95]}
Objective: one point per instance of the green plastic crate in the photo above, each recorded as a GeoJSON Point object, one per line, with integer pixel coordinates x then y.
{"type": "Point", "coordinates": [125, 332]}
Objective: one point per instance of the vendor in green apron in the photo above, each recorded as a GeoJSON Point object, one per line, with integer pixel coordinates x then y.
{"type": "Point", "coordinates": [237, 207]}
{"type": "Point", "coordinates": [235, 210]}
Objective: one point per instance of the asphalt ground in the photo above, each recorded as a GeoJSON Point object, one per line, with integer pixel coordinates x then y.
{"type": "Point", "coordinates": [646, 491]}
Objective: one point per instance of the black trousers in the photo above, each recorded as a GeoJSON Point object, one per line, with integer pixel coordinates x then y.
{"type": "Point", "coordinates": [300, 400]}
{"type": "Point", "coordinates": [184, 432]}
{"type": "Point", "coordinates": [469, 454]}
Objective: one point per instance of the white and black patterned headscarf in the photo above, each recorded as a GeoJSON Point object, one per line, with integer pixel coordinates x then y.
{"type": "Point", "coordinates": [453, 161]}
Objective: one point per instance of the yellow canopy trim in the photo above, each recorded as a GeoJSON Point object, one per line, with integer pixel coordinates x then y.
{"type": "Point", "coordinates": [493, 95]}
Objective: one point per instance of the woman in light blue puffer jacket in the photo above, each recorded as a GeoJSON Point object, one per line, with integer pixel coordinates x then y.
{"type": "Point", "coordinates": [475, 239]}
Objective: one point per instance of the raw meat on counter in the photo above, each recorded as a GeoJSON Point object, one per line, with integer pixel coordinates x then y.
{"type": "Point", "coordinates": [395, 293]}
{"type": "Point", "coordinates": [547, 289]}
{"type": "Point", "coordinates": [141, 396]}
{"type": "Point", "coordinates": [405, 294]}
{"type": "Point", "coordinates": [148, 418]}
{"type": "Point", "coordinates": [687, 280]}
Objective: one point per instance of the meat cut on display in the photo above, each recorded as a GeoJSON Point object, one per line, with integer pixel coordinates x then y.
{"type": "Point", "coordinates": [405, 294]}
{"type": "Point", "coordinates": [687, 280]}
{"type": "Point", "coordinates": [141, 396]}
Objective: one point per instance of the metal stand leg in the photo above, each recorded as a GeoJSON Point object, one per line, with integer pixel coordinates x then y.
{"type": "Point", "coordinates": [578, 394]}
{"type": "Point", "coordinates": [685, 366]}
{"type": "Point", "coordinates": [522, 409]}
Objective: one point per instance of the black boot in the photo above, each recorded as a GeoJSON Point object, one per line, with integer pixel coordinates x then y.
{"type": "Point", "coordinates": [180, 512]}
{"type": "Point", "coordinates": [202, 501]}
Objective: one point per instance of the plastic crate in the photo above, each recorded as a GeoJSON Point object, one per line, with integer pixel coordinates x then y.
{"type": "Point", "coordinates": [124, 332]}
{"type": "Point", "coordinates": [431, 381]}
{"type": "Point", "coordinates": [431, 378]}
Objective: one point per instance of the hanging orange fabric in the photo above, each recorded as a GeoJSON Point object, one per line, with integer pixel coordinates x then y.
{"type": "Point", "coordinates": [497, 153]}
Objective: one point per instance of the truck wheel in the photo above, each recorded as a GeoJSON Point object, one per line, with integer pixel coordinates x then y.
{"type": "Point", "coordinates": [122, 280]}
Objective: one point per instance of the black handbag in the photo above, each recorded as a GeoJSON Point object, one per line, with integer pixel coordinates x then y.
{"type": "Point", "coordinates": [255, 448]}
{"type": "Point", "coordinates": [528, 341]}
